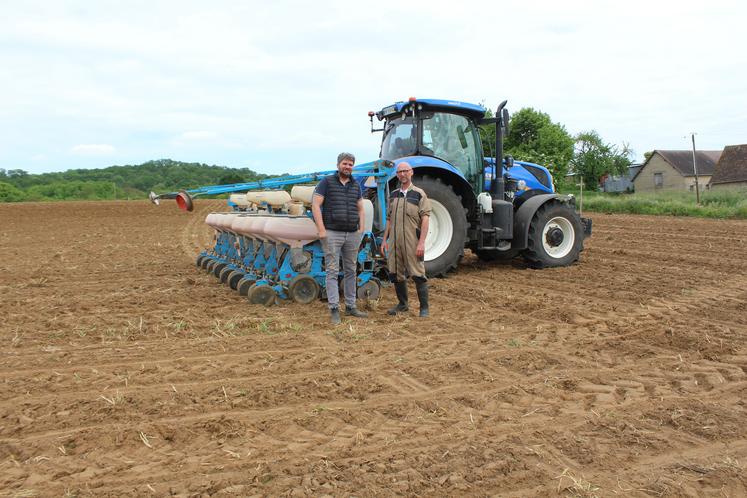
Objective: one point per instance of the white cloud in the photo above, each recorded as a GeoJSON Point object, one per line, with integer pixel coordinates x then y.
{"type": "Point", "coordinates": [235, 81]}
{"type": "Point", "coordinates": [93, 150]}
{"type": "Point", "coordinates": [197, 136]}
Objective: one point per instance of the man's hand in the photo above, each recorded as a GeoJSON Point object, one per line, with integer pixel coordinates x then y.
{"type": "Point", "coordinates": [420, 250]}
{"type": "Point", "coordinates": [323, 233]}
{"type": "Point", "coordinates": [384, 248]}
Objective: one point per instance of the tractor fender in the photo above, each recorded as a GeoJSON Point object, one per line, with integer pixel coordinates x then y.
{"type": "Point", "coordinates": [523, 218]}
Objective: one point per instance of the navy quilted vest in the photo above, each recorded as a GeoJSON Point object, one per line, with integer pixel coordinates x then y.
{"type": "Point", "coordinates": [340, 207]}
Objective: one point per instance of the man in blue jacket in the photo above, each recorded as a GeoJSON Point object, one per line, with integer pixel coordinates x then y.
{"type": "Point", "coordinates": [337, 207]}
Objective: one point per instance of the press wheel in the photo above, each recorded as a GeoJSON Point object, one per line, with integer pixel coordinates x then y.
{"type": "Point", "coordinates": [261, 294]}
{"type": "Point", "coordinates": [371, 290]}
{"type": "Point", "coordinates": [303, 289]}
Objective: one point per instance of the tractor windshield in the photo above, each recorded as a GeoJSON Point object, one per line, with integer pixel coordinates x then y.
{"type": "Point", "coordinates": [399, 139]}
{"type": "Point", "coordinates": [451, 137]}
{"type": "Point", "coordinates": [454, 139]}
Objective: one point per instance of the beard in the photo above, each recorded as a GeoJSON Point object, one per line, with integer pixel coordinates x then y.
{"type": "Point", "coordinates": [345, 174]}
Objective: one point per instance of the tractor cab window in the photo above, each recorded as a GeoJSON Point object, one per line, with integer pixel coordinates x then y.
{"type": "Point", "coordinates": [399, 139]}
{"type": "Point", "coordinates": [453, 138]}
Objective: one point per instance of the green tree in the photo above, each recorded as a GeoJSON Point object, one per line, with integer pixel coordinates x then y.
{"type": "Point", "coordinates": [534, 137]}
{"type": "Point", "coordinates": [128, 181]}
{"type": "Point", "coordinates": [594, 158]}
{"type": "Point", "coordinates": [9, 193]}
{"type": "Point", "coordinates": [231, 177]}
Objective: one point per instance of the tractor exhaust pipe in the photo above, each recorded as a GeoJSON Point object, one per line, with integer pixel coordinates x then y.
{"type": "Point", "coordinates": [497, 186]}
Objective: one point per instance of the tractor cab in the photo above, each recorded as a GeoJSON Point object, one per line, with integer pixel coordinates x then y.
{"type": "Point", "coordinates": [441, 129]}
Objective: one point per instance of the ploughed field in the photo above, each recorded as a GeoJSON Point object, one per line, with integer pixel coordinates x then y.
{"type": "Point", "coordinates": [125, 370]}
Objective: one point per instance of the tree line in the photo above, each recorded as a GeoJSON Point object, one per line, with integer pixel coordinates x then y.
{"type": "Point", "coordinates": [117, 182]}
{"type": "Point", "coordinates": [534, 137]}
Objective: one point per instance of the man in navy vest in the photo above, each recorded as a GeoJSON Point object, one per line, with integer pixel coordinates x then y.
{"type": "Point", "coordinates": [337, 207]}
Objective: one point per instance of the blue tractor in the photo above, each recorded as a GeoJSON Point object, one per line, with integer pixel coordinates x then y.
{"type": "Point", "coordinates": [497, 216]}
{"type": "Point", "coordinates": [498, 213]}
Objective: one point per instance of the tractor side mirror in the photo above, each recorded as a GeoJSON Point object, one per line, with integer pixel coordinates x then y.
{"type": "Point", "coordinates": [509, 160]}
{"type": "Point", "coordinates": [371, 115]}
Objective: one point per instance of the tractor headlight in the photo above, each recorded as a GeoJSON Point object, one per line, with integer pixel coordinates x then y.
{"type": "Point", "coordinates": [522, 185]}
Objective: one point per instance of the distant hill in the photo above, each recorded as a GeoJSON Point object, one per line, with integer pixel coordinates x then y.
{"type": "Point", "coordinates": [118, 182]}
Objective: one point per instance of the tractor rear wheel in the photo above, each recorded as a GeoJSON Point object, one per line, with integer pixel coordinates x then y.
{"type": "Point", "coordinates": [556, 236]}
{"type": "Point", "coordinates": [447, 228]}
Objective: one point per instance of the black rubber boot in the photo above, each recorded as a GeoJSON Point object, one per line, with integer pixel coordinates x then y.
{"type": "Point", "coordinates": [422, 287]}
{"type": "Point", "coordinates": [353, 311]}
{"type": "Point", "coordinates": [401, 289]}
{"type": "Point", "coordinates": [334, 316]}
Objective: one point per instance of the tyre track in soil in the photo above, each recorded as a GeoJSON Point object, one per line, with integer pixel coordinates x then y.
{"type": "Point", "coordinates": [195, 236]}
{"type": "Point", "coordinates": [140, 387]}
{"type": "Point", "coordinates": [161, 479]}
{"type": "Point", "coordinates": [413, 387]}
{"type": "Point", "coordinates": [181, 479]}
{"type": "Point", "coordinates": [734, 289]}
{"type": "Point", "coordinates": [93, 399]}
{"type": "Point", "coordinates": [288, 410]}
{"type": "Point", "coordinates": [428, 397]}
{"type": "Point", "coordinates": [180, 378]}
{"type": "Point", "coordinates": [146, 347]}
{"type": "Point", "coordinates": [416, 389]}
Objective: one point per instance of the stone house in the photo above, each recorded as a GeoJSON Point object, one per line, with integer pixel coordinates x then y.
{"type": "Point", "coordinates": [672, 171]}
{"type": "Point", "coordinates": [731, 169]}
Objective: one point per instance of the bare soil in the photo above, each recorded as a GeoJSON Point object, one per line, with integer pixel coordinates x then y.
{"type": "Point", "coordinates": [125, 370]}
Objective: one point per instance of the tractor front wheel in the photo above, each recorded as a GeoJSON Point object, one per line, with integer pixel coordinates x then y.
{"type": "Point", "coordinates": [556, 236]}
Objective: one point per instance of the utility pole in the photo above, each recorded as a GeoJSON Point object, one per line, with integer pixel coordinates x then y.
{"type": "Point", "coordinates": [695, 170]}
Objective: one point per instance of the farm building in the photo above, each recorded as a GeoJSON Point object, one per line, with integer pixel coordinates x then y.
{"type": "Point", "coordinates": [672, 170]}
{"type": "Point", "coordinates": [621, 183]}
{"type": "Point", "coordinates": [731, 169]}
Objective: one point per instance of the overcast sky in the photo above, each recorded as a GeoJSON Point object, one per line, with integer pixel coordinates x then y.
{"type": "Point", "coordinates": [285, 87]}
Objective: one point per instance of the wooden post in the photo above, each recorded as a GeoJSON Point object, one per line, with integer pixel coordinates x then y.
{"type": "Point", "coordinates": [695, 170]}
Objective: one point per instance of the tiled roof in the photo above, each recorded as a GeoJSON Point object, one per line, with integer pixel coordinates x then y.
{"type": "Point", "coordinates": [732, 166]}
{"type": "Point", "coordinates": [682, 160]}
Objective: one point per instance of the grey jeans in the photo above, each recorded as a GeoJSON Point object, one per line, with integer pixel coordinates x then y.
{"type": "Point", "coordinates": [347, 245]}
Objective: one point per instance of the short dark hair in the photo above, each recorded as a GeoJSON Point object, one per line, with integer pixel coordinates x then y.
{"type": "Point", "coordinates": [345, 155]}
